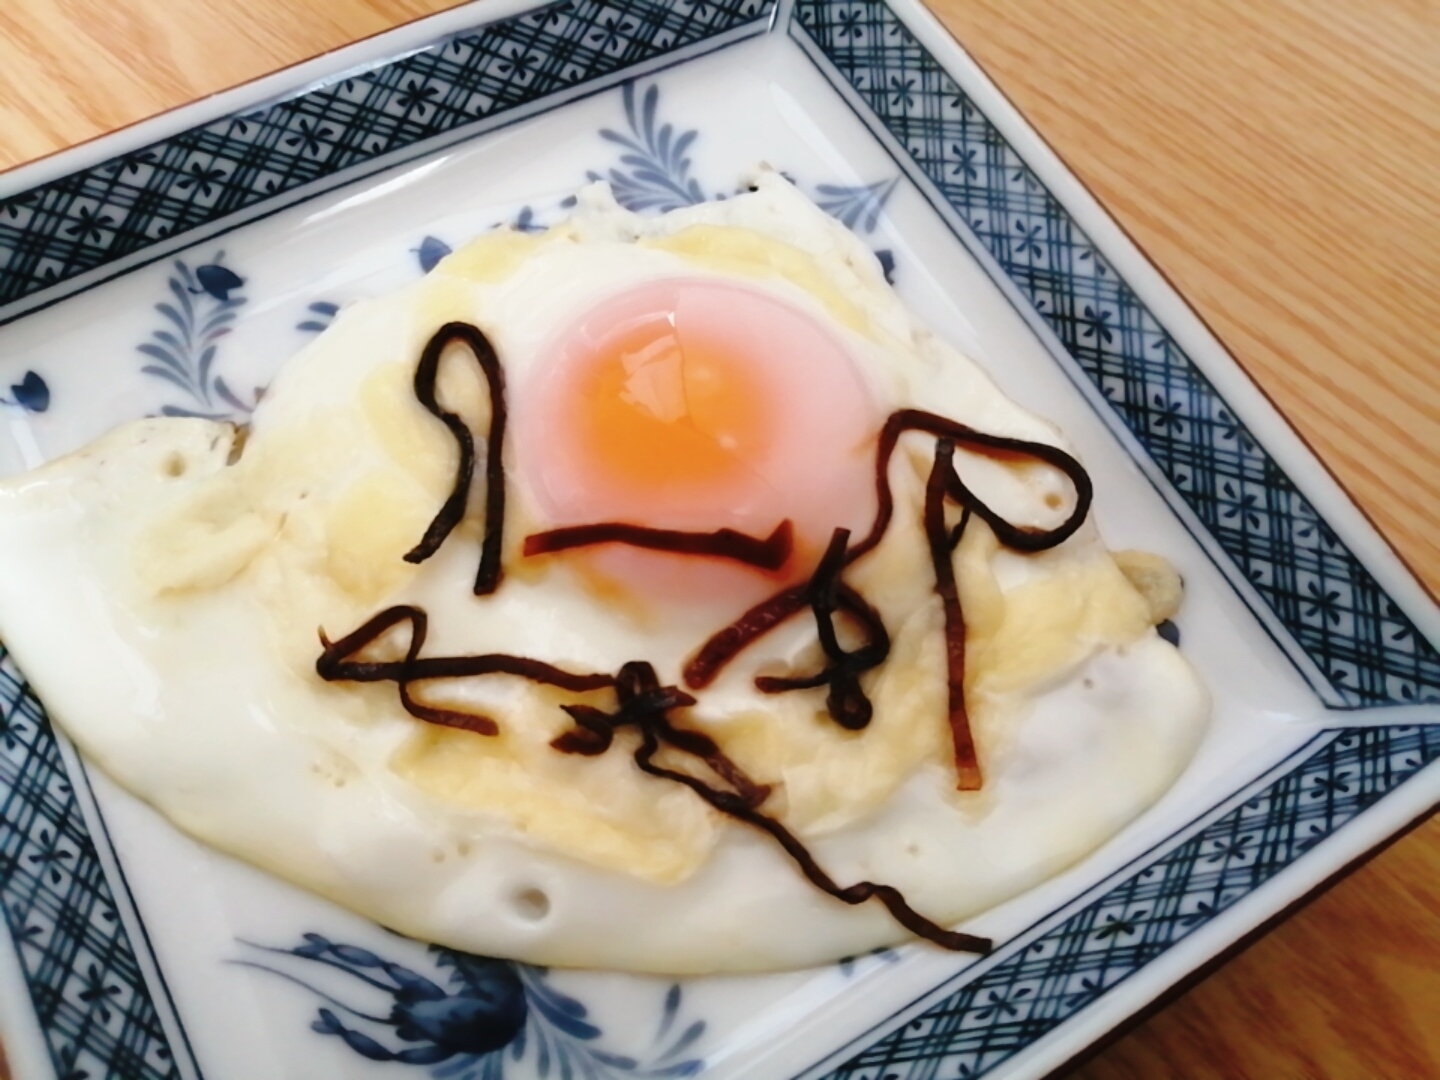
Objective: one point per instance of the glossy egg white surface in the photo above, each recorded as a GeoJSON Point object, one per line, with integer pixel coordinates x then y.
{"type": "Point", "coordinates": [186, 576]}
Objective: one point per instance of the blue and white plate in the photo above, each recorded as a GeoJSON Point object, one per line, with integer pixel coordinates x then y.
{"type": "Point", "coordinates": [172, 267]}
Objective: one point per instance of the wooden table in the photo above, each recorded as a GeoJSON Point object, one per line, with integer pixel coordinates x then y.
{"type": "Point", "coordinates": [1279, 159]}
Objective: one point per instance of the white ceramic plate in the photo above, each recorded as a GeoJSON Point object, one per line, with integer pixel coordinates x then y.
{"type": "Point", "coordinates": [173, 266]}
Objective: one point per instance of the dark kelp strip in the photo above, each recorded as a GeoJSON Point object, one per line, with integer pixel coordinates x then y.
{"type": "Point", "coordinates": [452, 512]}
{"type": "Point", "coordinates": [724, 645]}
{"type": "Point", "coordinates": [846, 701]}
{"type": "Point", "coordinates": [337, 663]}
{"type": "Point", "coordinates": [1019, 537]}
{"type": "Point", "coordinates": [770, 553]}
{"type": "Point", "coordinates": [644, 703]}
{"type": "Point", "coordinates": [967, 765]}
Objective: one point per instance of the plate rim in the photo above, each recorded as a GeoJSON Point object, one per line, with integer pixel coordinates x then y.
{"type": "Point", "coordinates": [1358, 530]}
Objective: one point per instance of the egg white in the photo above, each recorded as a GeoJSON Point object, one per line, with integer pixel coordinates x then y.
{"type": "Point", "coordinates": [163, 597]}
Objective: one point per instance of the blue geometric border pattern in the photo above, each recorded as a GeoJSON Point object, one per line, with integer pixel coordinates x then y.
{"type": "Point", "coordinates": [1369, 651]}
{"type": "Point", "coordinates": [1029, 994]}
{"type": "Point", "coordinates": [88, 219]}
{"type": "Point", "coordinates": [86, 987]}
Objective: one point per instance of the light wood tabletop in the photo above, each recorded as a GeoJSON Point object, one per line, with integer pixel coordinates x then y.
{"type": "Point", "coordinates": [1278, 159]}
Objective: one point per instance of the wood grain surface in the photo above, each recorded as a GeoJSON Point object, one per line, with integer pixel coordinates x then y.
{"type": "Point", "coordinates": [1278, 159]}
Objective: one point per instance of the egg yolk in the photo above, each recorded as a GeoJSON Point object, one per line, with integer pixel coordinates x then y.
{"type": "Point", "coordinates": [698, 405]}
{"type": "Point", "coordinates": [664, 416]}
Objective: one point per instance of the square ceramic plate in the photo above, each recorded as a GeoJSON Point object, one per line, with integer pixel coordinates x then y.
{"type": "Point", "coordinates": [172, 267]}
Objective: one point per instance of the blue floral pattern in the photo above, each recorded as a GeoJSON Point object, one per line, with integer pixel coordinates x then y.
{"type": "Point", "coordinates": [851, 966]}
{"type": "Point", "coordinates": [857, 207]}
{"type": "Point", "coordinates": [430, 252]}
{"type": "Point", "coordinates": [54, 233]}
{"type": "Point", "coordinates": [31, 393]}
{"type": "Point", "coordinates": [318, 318]}
{"type": "Point", "coordinates": [200, 312]}
{"type": "Point", "coordinates": [494, 1014]}
{"type": "Point", "coordinates": [653, 173]}
{"type": "Point", "coordinates": [654, 170]}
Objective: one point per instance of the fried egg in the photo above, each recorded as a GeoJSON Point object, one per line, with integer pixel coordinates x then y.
{"type": "Point", "coordinates": [721, 367]}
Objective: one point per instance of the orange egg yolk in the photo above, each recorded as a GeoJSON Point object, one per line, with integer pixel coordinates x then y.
{"type": "Point", "coordinates": [665, 417]}
{"type": "Point", "coordinates": [698, 405]}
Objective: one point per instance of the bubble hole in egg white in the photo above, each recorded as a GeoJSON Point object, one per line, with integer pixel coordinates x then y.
{"type": "Point", "coordinates": [187, 589]}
